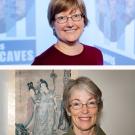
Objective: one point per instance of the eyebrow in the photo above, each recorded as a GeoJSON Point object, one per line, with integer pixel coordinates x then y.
{"type": "Point", "coordinates": [70, 13]}
{"type": "Point", "coordinates": [87, 100]}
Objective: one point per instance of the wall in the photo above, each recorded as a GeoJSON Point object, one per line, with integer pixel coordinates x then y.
{"type": "Point", "coordinates": [7, 102]}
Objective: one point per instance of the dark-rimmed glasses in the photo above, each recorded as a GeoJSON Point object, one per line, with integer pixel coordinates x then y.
{"type": "Point", "coordinates": [64, 19]}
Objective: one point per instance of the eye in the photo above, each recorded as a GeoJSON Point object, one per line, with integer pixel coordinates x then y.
{"type": "Point", "coordinates": [61, 18]}
{"type": "Point", "coordinates": [92, 103]}
{"type": "Point", "coordinates": [76, 104]}
{"type": "Point", "coordinates": [76, 15]}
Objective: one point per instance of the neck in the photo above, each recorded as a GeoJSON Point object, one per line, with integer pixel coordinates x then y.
{"type": "Point", "coordinates": [69, 49]}
{"type": "Point", "coordinates": [86, 132]}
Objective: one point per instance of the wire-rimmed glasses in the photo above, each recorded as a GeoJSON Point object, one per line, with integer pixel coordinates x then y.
{"type": "Point", "coordinates": [76, 104]}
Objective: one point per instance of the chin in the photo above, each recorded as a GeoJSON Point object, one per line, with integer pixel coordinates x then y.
{"type": "Point", "coordinates": [72, 41]}
{"type": "Point", "coordinates": [85, 128]}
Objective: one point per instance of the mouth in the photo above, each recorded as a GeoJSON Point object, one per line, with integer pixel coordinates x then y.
{"type": "Point", "coordinates": [84, 118]}
{"type": "Point", "coordinates": [70, 30]}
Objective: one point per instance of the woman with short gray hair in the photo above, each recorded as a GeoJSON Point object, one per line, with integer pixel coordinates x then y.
{"type": "Point", "coordinates": [83, 104]}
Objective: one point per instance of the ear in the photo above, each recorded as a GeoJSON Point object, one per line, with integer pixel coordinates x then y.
{"type": "Point", "coordinates": [54, 32]}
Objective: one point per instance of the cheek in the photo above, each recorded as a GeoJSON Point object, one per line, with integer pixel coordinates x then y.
{"type": "Point", "coordinates": [94, 116]}
{"type": "Point", "coordinates": [57, 27]}
{"type": "Point", "coordinates": [94, 111]}
{"type": "Point", "coordinates": [74, 117]}
{"type": "Point", "coordinates": [73, 112]}
{"type": "Point", "coordinates": [82, 25]}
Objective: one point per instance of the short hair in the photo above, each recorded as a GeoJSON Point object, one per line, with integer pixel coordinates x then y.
{"type": "Point", "coordinates": [57, 6]}
{"type": "Point", "coordinates": [82, 83]}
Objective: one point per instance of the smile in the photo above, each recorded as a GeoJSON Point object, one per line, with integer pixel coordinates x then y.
{"type": "Point", "coordinates": [71, 30]}
{"type": "Point", "coordinates": [84, 118]}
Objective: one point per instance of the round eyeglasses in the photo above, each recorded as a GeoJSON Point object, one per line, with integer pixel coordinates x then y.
{"type": "Point", "coordinates": [64, 19]}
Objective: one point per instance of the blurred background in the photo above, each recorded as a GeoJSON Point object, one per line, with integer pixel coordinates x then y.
{"type": "Point", "coordinates": [25, 32]}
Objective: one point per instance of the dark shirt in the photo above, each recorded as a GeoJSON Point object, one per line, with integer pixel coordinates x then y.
{"type": "Point", "coordinates": [52, 56]}
{"type": "Point", "coordinates": [99, 131]}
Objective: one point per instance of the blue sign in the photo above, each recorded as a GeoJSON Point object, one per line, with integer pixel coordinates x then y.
{"type": "Point", "coordinates": [112, 58]}
{"type": "Point", "coordinates": [17, 52]}
{"type": "Point", "coordinates": [17, 32]}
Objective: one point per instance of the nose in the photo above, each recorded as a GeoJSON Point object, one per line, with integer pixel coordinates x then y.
{"type": "Point", "coordinates": [84, 108]}
{"type": "Point", "coordinates": [69, 22]}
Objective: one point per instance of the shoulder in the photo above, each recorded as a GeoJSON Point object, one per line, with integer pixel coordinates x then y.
{"type": "Point", "coordinates": [91, 48]}
{"type": "Point", "coordinates": [70, 132]}
{"type": "Point", "coordinates": [47, 52]}
{"type": "Point", "coordinates": [93, 52]}
{"type": "Point", "coordinates": [100, 131]}
{"type": "Point", "coordinates": [40, 58]}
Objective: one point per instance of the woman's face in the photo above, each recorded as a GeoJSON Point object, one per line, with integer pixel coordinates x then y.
{"type": "Point", "coordinates": [84, 118]}
{"type": "Point", "coordinates": [70, 31]}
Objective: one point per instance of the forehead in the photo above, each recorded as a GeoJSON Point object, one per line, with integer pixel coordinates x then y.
{"type": "Point", "coordinates": [69, 11]}
{"type": "Point", "coordinates": [81, 94]}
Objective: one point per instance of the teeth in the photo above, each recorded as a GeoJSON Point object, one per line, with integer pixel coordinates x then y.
{"type": "Point", "coordinates": [69, 30]}
{"type": "Point", "coordinates": [84, 118]}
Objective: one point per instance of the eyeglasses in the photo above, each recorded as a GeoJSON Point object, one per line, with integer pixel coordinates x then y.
{"type": "Point", "coordinates": [64, 19]}
{"type": "Point", "coordinates": [78, 105]}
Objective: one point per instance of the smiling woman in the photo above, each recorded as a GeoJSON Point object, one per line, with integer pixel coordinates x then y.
{"type": "Point", "coordinates": [83, 104]}
{"type": "Point", "coordinates": [68, 20]}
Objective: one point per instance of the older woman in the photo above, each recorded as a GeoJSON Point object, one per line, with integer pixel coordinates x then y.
{"type": "Point", "coordinates": [68, 18]}
{"type": "Point", "coordinates": [83, 104]}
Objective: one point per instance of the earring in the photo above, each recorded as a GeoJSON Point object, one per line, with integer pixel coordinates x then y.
{"type": "Point", "coordinates": [68, 113]}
